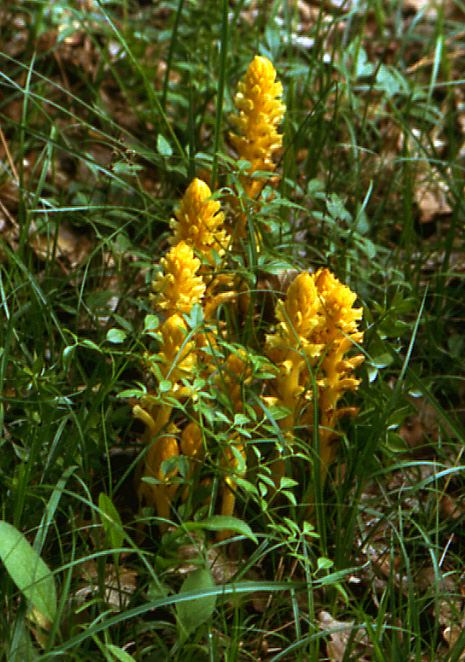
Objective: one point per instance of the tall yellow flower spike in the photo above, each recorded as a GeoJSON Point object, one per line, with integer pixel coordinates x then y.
{"type": "Point", "coordinates": [293, 350]}
{"type": "Point", "coordinates": [179, 288]}
{"type": "Point", "coordinates": [301, 314]}
{"type": "Point", "coordinates": [317, 327]}
{"type": "Point", "coordinates": [260, 112]}
{"type": "Point", "coordinates": [198, 222]}
{"type": "Point", "coordinates": [339, 334]}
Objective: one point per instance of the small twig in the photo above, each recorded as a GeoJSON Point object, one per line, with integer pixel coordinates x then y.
{"type": "Point", "coordinates": [8, 156]}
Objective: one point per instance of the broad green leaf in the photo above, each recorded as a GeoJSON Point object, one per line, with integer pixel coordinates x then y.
{"type": "Point", "coordinates": [362, 67]}
{"type": "Point", "coordinates": [121, 168]}
{"type": "Point", "coordinates": [324, 563]}
{"type": "Point", "coordinates": [119, 654]}
{"type": "Point", "coordinates": [222, 523]}
{"type": "Point", "coordinates": [116, 335]}
{"type": "Point", "coordinates": [194, 612]}
{"type": "Point", "coordinates": [90, 345]}
{"type": "Point", "coordinates": [381, 361]}
{"type": "Point", "coordinates": [151, 323]}
{"type": "Point", "coordinates": [111, 521]}
{"type": "Point", "coordinates": [195, 317]}
{"type": "Point", "coordinates": [68, 354]}
{"type": "Point", "coordinates": [176, 463]}
{"type": "Point", "coordinates": [30, 574]}
{"type": "Point", "coordinates": [165, 385]}
{"type": "Point", "coordinates": [395, 442]}
{"type": "Point", "coordinates": [390, 80]}
{"type": "Point", "coordinates": [163, 146]}
{"type": "Point", "coordinates": [397, 417]}
{"type": "Point", "coordinates": [131, 393]}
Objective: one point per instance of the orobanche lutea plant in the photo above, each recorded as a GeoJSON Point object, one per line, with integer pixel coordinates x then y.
{"type": "Point", "coordinates": [227, 408]}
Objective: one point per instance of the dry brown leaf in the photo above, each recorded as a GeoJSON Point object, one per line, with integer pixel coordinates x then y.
{"type": "Point", "coordinates": [120, 584]}
{"type": "Point", "coordinates": [428, 7]}
{"type": "Point", "coordinates": [9, 195]}
{"type": "Point", "coordinates": [341, 634]}
{"type": "Point", "coordinates": [422, 428]}
{"type": "Point", "coordinates": [453, 620]}
{"type": "Point", "coordinates": [451, 508]}
{"type": "Point", "coordinates": [222, 568]}
{"type": "Point", "coordinates": [451, 603]}
{"type": "Point", "coordinates": [431, 197]}
{"type": "Point", "coordinates": [68, 245]}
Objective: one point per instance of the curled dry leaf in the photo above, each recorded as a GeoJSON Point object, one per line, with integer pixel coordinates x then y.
{"type": "Point", "coordinates": [68, 246]}
{"type": "Point", "coordinates": [431, 198]}
{"type": "Point", "coordinates": [341, 634]}
{"type": "Point", "coordinates": [120, 584]}
{"type": "Point", "coordinates": [221, 568]}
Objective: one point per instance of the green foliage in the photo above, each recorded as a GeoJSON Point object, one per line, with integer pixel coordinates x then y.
{"type": "Point", "coordinates": [195, 612]}
{"type": "Point", "coordinates": [111, 521]}
{"type": "Point", "coordinates": [118, 653]}
{"type": "Point", "coordinates": [28, 571]}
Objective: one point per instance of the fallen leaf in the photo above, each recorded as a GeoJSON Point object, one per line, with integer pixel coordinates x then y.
{"type": "Point", "coordinates": [120, 584]}
{"type": "Point", "coordinates": [66, 245]}
{"type": "Point", "coordinates": [341, 634]}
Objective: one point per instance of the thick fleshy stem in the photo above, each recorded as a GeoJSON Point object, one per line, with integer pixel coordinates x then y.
{"type": "Point", "coordinates": [231, 464]}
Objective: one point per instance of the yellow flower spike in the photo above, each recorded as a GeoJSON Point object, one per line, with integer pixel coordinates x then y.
{"type": "Point", "coordinates": [179, 288]}
{"type": "Point", "coordinates": [159, 496]}
{"type": "Point", "coordinates": [260, 112]}
{"type": "Point", "coordinates": [292, 348]}
{"type": "Point", "coordinates": [340, 334]}
{"type": "Point", "coordinates": [198, 222]}
{"type": "Point", "coordinates": [317, 327]}
{"type": "Point", "coordinates": [301, 312]}
{"type": "Point", "coordinates": [338, 300]}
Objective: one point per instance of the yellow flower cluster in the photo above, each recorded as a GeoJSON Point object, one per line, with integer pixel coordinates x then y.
{"type": "Point", "coordinates": [179, 288]}
{"type": "Point", "coordinates": [198, 221]}
{"type": "Point", "coordinates": [260, 112]}
{"type": "Point", "coordinates": [316, 328]}
{"type": "Point", "coordinates": [186, 280]}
